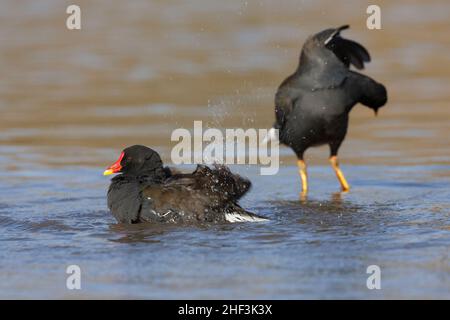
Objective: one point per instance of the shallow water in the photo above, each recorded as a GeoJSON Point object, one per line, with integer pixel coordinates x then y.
{"type": "Point", "coordinates": [70, 101]}
{"type": "Point", "coordinates": [395, 218]}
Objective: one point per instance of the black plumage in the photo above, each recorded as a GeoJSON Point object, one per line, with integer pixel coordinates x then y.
{"type": "Point", "coordinates": [312, 105]}
{"type": "Point", "coordinates": [146, 191]}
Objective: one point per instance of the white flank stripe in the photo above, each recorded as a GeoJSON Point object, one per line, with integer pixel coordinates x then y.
{"type": "Point", "coordinates": [239, 217]}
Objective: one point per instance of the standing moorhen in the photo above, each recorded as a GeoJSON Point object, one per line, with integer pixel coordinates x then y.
{"type": "Point", "coordinates": [146, 191]}
{"type": "Point", "coordinates": [312, 105]}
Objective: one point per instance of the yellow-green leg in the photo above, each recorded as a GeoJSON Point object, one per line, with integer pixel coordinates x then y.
{"type": "Point", "coordinates": [339, 174]}
{"type": "Point", "coordinates": [303, 176]}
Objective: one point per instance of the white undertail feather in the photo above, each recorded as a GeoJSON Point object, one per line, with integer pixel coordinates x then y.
{"type": "Point", "coordinates": [272, 135]}
{"type": "Point", "coordinates": [335, 32]}
{"type": "Point", "coordinates": [243, 217]}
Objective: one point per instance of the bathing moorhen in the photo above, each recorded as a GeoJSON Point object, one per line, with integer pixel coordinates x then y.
{"type": "Point", "coordinates": [146, 191]}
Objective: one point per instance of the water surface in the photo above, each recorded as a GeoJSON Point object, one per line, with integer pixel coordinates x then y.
{"type": "Point", "coordinates": [71, 100]}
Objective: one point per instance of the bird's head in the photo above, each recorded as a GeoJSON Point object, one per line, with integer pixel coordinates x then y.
{"type": "Point", "coordinates": [137, 160]}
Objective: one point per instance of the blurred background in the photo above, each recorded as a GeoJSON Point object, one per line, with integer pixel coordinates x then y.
{"type": "Point", "coordinates": [138, 70]}
{"type": "Point", "coordinates": [70, 101]}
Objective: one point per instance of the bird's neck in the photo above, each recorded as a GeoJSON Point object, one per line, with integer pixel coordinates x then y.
{"type": "Point", "coordinates": [312, 63]}
{"type": "Point", "coordinates": [319, 69]}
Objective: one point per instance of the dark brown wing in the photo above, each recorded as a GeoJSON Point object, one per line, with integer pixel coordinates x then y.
{"type": "Point", "coordinates": [174, 203]}
{"type": "Point", "coordinates": [218, 183]}
{"type": "Point", "coordinates": [204, 195]}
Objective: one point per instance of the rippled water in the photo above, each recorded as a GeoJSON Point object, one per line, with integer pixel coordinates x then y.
{"type": "Point", "coordinates": [70, 101]}
{"type": "Point", "coordinates": [395, 218]}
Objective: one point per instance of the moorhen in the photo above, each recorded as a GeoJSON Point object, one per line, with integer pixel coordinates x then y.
{"type": "Point", "coordinates": [146, 191]}
{"type": "Point", "coordinates": [312, 105]}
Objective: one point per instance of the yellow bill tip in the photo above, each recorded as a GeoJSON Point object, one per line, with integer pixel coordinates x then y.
{"type": "Point", "coordinates": [107, 172]}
